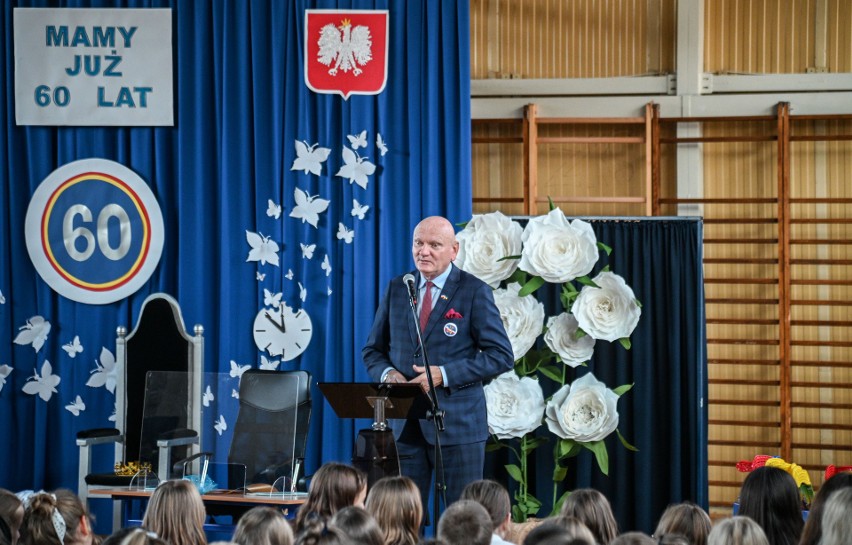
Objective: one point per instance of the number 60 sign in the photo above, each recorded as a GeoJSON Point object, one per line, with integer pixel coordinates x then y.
{"type": "Point", "coordinates": [94, 231]}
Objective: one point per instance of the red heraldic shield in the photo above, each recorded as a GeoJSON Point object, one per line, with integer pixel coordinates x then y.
{"type": "Point", "coordinates": [346, 51]}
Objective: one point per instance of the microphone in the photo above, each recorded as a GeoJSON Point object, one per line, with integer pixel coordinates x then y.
{"type": "Point", "coordinates": [412, 292]}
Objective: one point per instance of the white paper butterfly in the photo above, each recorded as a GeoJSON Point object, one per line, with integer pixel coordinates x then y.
{"type": "Point", "coordinates": [207, 397]}
{"type": "Point", "coordinates": [303, 293]}
{"type": "Point", "coordinates": [105, 372]}
{"type": "Point", "coordinates": [2, 299]}
{"type": "Point", "coordinates": [74, 347]}
{"type": "Point", "coordinates": [344, 233]}
{"type": "Point", "coordinates": [329, 292]}
{"type": "Point", "coordinates": [356, 168]}
{"type": "Point", "coordinates": [235, 394]}
{"type": "Point", "coordinates": [310, 158]}
{"type": "Point", "coordinates": [260, 276]}
{"type": "Point", "coordinates": [273, 210]}
{"type": "Point", "coordinates": [289, 275]}
{"type": "Point", "coordinates": [326, 266]}
{"type": "Point", "coordinates": [5, 370]}
{"type": "Point", "coordinates": [308, 250]}
{"type": "Point", "coordinates": [263, 249]}
{"type": "Point", "coordinates": [35, 331]}
{"type": "Point", "coordinates": [308, 208]}
{"type": "Point", "coordinates": [220, 425]}
{"type": "Point", "coordinates": [358, 209]}
{"type": "Point", "coordinates": [271, 299]}
{"type": "Point", "coordinates": [358, 141]}
{"type": "Point", "coordinates": [44, 385]}
{"type": "Point", "coordinates": [380, 143]}
{"type": "Point", "coordinates": [76, 406]}
{"type": "Point", "coordinates": [269, 365]}
{"type": "Point", "coordinates": [237, 370]}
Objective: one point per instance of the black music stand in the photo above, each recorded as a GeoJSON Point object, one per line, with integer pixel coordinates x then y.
{"type": "Point", "coordinates": [375, 449]}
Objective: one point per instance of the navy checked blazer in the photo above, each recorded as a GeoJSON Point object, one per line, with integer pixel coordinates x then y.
{"type": "Point", "coordinates": [472, 348]}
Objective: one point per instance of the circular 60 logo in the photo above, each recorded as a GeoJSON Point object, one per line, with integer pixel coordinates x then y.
{"type": "Point", "coordinates": [94, 231]}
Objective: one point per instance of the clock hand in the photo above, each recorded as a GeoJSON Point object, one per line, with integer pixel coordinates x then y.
{"type": "Point", "coordinates": [279, 327]}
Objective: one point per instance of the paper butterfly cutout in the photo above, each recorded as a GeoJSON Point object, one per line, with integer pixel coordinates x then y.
{"type": "Point", "coordinates": [44, 385]}
{"type": "Point", "coordinates": [303, 293]}
{"type": "Point", "coordinates": [358, 209]}
{"type": "Point", "coordinates": [273, 210]}
{"type": "Point", "coordinates": [359, 141]}
{"type": "Point", "coordinates": [289, 275]}
{"type": "Point", "coordinates": [105, 372]}
{"type": "Point", "coordinates": [308, 208]}
{"type": "Point", "coordinates": [326, 266]}
{"type": "Point", "coordinates": [263, 249]}
{"type": "Point", "coordinates": [235, 394]}
{"type": "Point", "coordinates": [356, 168]}
{"type": "Point", "coordinates": [307, 251]}
{"type": "Point", "coordinates": [35, 331]}
{"type": "Point", "coordinates": [380, 143]}
{"type": "Point", "coordinates": [76, 406]}
{"type": "Point", "coordinates": [237, 370]}
{"type": "Point", "coordinates": [2, 299]}
{"type": "Point", "coordinates": [74, 347]}
{"type": "Point", "coordinates": [310, 158]}
{"type": "Point", "coordinates": [269, 365]}
{"type": "Point", "coordinates": [207, 397]}
{"type": "Point", "coordinates": [220, 425]}
{"type": "Point", "coordinates": [271, 299]}
{"type": "Point", "coordinates": [344, 233]}
{"type": "Point", "coordinates": [260, 276]}
{"type": "Point", "coordinates": [329, 292]}
{"type": "Point", "coordinates": [5, 370]}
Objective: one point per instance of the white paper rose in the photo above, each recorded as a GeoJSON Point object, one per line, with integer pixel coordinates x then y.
{"type": "Point", "coordinates": [561, 338]}
{"type": "Point", "coordinates": [609, 312]}
{"type": "Point", "coordinates": [583, 411]}
{"type": "Point", "coordinates": [558, 250]}
{"type": "Point", "coordinates": [523, 318]}
{"type": "Point", "coordinates": [515, 405]}
{"type": "Point", "coordinates": [485, 240]}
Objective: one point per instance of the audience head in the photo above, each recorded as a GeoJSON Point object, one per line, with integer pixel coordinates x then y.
{"type": "Point", "coordinates": [671, 539]}
{"type": "Point", "coordinates": [494, 498]}
{"type": "Point", "coordinates": [263, 526]}
{"type": "Point", "coordinates": [358, 525]}
{"type": "Point", "coordinates": [836, 519]}
{"type": "Point", "coordinates": [685, 519]}
{"type": "Point", "coordinates": [316, 532]}
{"type": "Point", "coordinates": [12, 515]}
{"type": "Point", "coordinates": [176, 513]}
{"type": "Point", "coordinates": [54, 519]}
{"type": "Point", "coordinates": [465, 522]}
{"type": "Point", "coordinates": [134, 536]}
{"type": "Point", "coordinates": [395, 504]}
{"type": "Point", "coordinates": [813, 526]}
{"type": "Point", "coordinates": [770, 497]}
{"type": "Point", "coordinates": [575, 528]}
{"type": "Point", "coordinates": [633, 538]}
{"type": "Point", "coordinates": [593, 510]}
{"type": "Point", "coordinates": [738, 530]}
{"type": "Point", "coordinates": [333, 487]}
{"type": "Point", "coordinates": [553, 532]}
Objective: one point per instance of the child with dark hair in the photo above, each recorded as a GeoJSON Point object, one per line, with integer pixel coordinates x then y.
{"type": "Point", "coordinates": [633, 538]}
{"type": "Point", "coordinates": [813, 526]}
{"type": "Point", "coordinates": [263, 526]}
{"type": "Point", "coordinates": [685, 519]}
{"type": "Point", "coordinates": [57, 518]}
{"type": "Point", "coordinates": [495, 499]}
{"type": "Point", "coordinates": [134, 536]}
{"type": "Point", "coordinates": [358, 525]}
{"type": "Point", "coordinates": [465, 522]}
{"type": "Point", "coordinates": [770, 497]}
{"type": "Point", "coordinates": [333, 487]}
{"type": "Point", "coordinates": [317, 532]}
{"type": "Point", "coordinates": [556, 533]}
{"type": "Point", "coordinates": [593, 510]}
{"type": "Point", "coordinates": [11, 516]}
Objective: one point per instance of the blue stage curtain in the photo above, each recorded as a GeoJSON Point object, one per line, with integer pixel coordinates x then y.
{"type": "Point", "coordinates": [240, 105]}
{"type": "Point", "coordinates": [665, 414]}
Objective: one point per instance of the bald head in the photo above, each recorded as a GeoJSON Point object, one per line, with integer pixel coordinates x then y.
{"type": "Point", "coordinates": [434, 246]}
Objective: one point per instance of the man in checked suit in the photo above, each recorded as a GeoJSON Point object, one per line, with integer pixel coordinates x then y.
{"type": "Point", "coordinates": [466, 344]}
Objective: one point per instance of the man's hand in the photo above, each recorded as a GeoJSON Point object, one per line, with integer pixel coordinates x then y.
{"type": "Point", "coordinates": [394, 377]}
{"type": "Point", "coordinates": [423, 381]}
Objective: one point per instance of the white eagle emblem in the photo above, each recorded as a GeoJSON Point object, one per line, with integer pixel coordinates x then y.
{"type": "Point", "coordinates": [345, 46]}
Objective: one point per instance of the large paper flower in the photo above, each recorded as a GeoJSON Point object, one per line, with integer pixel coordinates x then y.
{"type": "Point", "coordinates": [561, 337]}
{"type": "Point", "coordinates": [558, 250]}
{"type": "Point", "coordinates": [523, 318]}
{"type": "Point", "coordinates": [583, 411]}
{"type": "Point", "coordinates": [484, 241]}
{"type": "Point", "coordinates": [515, 405]}
{"type": "Point", "coordinates": [609, 312]}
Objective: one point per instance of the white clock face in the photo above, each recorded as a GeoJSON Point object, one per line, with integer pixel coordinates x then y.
{"type": "Point", "coordinates": [283, 331]}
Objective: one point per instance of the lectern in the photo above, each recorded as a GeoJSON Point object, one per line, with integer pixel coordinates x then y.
{"type": "Point", "coordinates": [375, 449]}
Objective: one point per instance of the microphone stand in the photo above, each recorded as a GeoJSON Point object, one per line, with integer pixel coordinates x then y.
{"type": "Point", "coordinates": [437, 415]}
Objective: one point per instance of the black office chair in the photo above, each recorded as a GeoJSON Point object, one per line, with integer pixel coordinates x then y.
{"type": "Point", "coordinates": [158, 398]}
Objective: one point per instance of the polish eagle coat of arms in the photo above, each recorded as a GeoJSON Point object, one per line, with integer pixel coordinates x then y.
{"type": "Point", "coordinates": [346, 51]}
